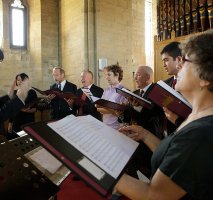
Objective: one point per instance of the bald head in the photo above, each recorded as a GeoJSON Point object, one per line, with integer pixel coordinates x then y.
{"type": "Point", "coordinates": [143, 76]}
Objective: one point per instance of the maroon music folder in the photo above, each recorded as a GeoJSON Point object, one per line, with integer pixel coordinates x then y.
{"type": "Point", "coordinates": [128, 94]}
{"type": "Point", "coordinates": [165, 96]}
{"type": "Point", "coordinates": [59, 94]}
{"type": "Point", "coordinates": [111, 105]}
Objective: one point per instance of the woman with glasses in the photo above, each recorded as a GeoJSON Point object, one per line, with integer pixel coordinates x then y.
{"type": "Point", "coordinates": [182, 163]}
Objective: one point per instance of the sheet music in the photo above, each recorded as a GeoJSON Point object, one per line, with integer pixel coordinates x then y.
{"type": "Point", "coordinates": [105, 146]}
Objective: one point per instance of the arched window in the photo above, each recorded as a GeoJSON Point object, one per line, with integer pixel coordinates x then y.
{"type": "Point", "coordinates": [18, 25]}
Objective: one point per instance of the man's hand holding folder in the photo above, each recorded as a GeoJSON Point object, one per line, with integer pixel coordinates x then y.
{"type": "Point", "coordinates": [134, 99]}
{"type": "Point", "coordinates": [69, 97]}
{"type": "Point", "coordinates": [58, 94]}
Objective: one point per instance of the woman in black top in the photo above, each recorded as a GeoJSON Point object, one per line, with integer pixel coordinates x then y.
{"type": "Point", "coordinates": [182, 163]}
{"type": "Point", "coordinates": [26, 114]}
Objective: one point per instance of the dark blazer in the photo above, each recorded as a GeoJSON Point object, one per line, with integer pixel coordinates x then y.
{"type": "Point", "coordinates": [89, 107]}
{"type": "Point", "coordinates": [60, 107]}
{"type": "Point", "coordinates": [9, 108]}
{"type": "Point", "coordinates": [4, 99]}
{"type": "Point", "coordinates": [169, 81]}
{"type": "Point", "coordinates": [22, 118]}
{"type": "Point", "coordinates": [152, 120]}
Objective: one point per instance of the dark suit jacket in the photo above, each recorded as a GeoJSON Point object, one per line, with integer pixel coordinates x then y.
{"type": "Point", "coordinates": [22, 118]}
{"type": "Point", "coordinates": [89, 107]}
{"type": "Point", "coordinates": [4, 99]}
{"type": "Point", "coordinates": [152, 120]}
{"type": "Point", "coordinates": [60, 107]}
{"type": "Point", "coordinates": [9, 108]}
{"type": "Point", "coordinates": [169, 81]}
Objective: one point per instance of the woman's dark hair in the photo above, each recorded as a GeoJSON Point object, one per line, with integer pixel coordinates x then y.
{"type": "Point", "coordinates": [23, 76]}
{"type": "Point", "coordinates": [116, 70]}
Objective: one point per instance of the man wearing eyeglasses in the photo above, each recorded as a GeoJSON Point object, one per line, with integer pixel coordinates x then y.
{"type": "Point", "coordinates": [171, 57]}
{"type": "Point", "coordinates": [9, 107]}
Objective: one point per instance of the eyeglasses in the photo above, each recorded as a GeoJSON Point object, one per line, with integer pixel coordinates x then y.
{"type": "Point", "coordinates": [184, 59]}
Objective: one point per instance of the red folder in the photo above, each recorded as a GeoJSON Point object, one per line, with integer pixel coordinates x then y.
{"type": "Point", "coordinates": [111, 105]}
{"type": "Point", "coordinates": [128, 94]}
{"type": "Point", "coordinates": [59, 94]}
{"type": "Point", "coordinates": [165, 96]}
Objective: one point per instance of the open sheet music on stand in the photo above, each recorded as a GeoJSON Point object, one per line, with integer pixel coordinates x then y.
{"type": "Point", "coordinates": [165, 96]}
{"type": "Point", "coordinates": [128, 94]}
{"type": "Point", "coordinates": [90, 148]}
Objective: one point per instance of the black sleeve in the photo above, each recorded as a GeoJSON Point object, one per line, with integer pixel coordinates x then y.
{"type": "Point", "coordinates": [10, 108]}
{"type": "Point", "coordinates": [4, 99]}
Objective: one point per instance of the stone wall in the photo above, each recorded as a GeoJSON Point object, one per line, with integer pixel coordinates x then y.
{"type": "Point", "coordinates": [75, 34]}
{"type": "Point", "coordinates": [93, 29]}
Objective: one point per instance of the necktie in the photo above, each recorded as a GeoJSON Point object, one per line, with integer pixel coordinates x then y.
{"type": "Point", "coordinates": [59, 86]}
{"type": "Point", "coordinates": [83, 98]}
{"type": "Point", "coordinates": [141, 93]}
{"type": "Point", "coordinates": [174, 83]}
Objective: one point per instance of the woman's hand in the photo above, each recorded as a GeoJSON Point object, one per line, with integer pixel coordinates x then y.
{"type": "Point", "coordinates": [23, 90]}
{"type": "Point", "coordinates": [12, 88]}
{"type": "Point", "coordinates": [137, 133]}
{"type": "Point", "coordinates": [170, 115]}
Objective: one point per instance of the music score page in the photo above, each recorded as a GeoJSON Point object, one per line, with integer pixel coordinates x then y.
{"type": "Point", "coordinates": [103, 145]}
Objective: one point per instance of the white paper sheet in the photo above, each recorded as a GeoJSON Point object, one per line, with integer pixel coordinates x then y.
{"type": "Point", "coordinates": [103, 145]}
{"type": "Point", "coordinates": [46, 160]}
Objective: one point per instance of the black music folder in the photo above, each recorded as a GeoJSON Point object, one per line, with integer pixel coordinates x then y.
{"type": "Point", "coordinates": [128, 94]}
{"type": "Point", "coordinates": [88, 147]}
{"type": "Point", "coordinates": [165, 96]}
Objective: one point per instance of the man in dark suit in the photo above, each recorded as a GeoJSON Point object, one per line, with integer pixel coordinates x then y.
{"type": "Point", "coordinates": [61, 107]}
{"type": "Point", "coordinates": [171, 56]}
{"type": "Point", "coordinates": [150, 119]}
{"type": "Point", "coordinates": [10, 107]}
{"type": "Point", "coordinates": [88, 90]}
